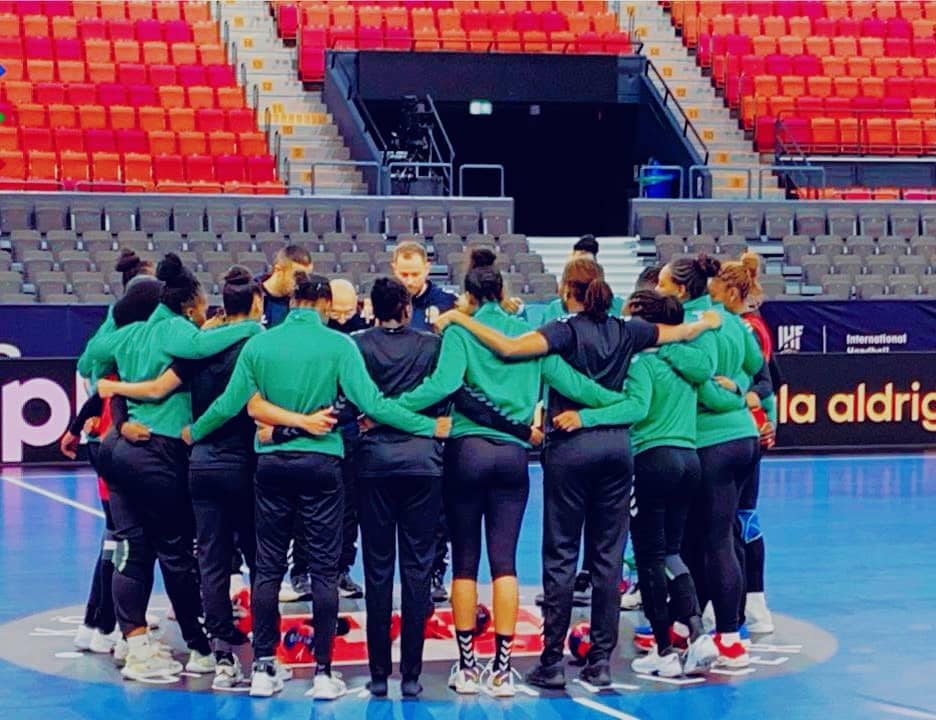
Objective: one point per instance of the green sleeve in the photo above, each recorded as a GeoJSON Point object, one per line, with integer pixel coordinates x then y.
{"type": "Point", "coordinates": [85, 365]}
{"type": "Point", "coordinates": [638, 391]}
{"type": "Point", "coordinates": [717, 399]}
{"type": "Point", "coordinates": [185, 340]}
{"type": "Point", "coordinates": [448, 376]}
{"type": "Point", "coordinates": [695, 360]}
{"type": "Point", "coordinates": [561, 376]}
{"type": "Point", "coordinates": [361, 390]}
{"type": "Point", "coordinates": [100, 351]}
{"type": "Point", "coordinates": [753, 357]}
{"type": "Point", "coordinates": [240, 388]}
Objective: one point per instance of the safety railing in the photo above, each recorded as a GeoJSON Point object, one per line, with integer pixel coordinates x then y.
{"type": "Point", "coordinates": [479, 166]}
{"type": "Point", "coordinates": [698, 172]}
{"type": "Point", "coordinates": [688, 130]}
{"type": "Point", "coordinates": [416, 167]}
{"type": "Point", "coordinates": [787, 171]}
{"type": "Point", "coordinates": [645, 172]}
{"type": "Point", "coordinates": [379, 182]}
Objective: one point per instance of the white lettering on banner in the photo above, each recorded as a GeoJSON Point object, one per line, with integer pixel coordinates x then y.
{"type": "Point", "coordinates": [10, 351]}
{"type": "Point", "coordinates": [17, 432]}
{"type": "Point", "coordinates": [789, 338]}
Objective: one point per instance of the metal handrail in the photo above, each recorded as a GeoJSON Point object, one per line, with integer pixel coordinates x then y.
{"type": "Point", "coordinates": [256, 89]}
{"type": "Point", "coordinates": [788, 169]}
{"type": "Point", "coordinates": [687, 123]}
{"type": "Point", "coordinates": [479, 166]}
{"type": "Point", "coordinates": [678, 168]}
{"type": "Point", "coordinates": [445, 136]}
{"type": "Point", "coordinates": [417, 165]}
{"type": "Point", "coordinates": [349, 163]}
{"type": "Point", "coordinates": [699, 169]}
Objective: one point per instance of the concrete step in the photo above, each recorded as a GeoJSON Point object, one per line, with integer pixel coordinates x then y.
{"type": "Point", "coordinates": [306, 133]}
{"type": "Point", "coordinates": [313, 152]}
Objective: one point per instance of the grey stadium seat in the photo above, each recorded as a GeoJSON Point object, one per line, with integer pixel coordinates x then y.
{"type": "Point", "coordinates": [913, 264]}
{"type": "Point", "coordinates": [778, 222]}
{"type": "Point", "coordinates": [682, 222]}
{"type": "Point", "coordinates": [528, 263]}
{"type": "Point", "coordinates": [713, 222]}
{"type": "Point", "coordinates": [924, 245]}
{"type": "Point", "coordinates": [256, 219]}
{"type": "Point", "coordinates": [256, 262]}
{"type": "Point", "coordinates": [74, 261]}
{"type": "Point", "coordinates": [49, 283]}
{"type": "Point", "coordinates": [51, 216]}
{"type": "Point", "coordinates": [462, 222]}
{"type": "Point", "coordinates": [667, 246]}
{"type": "Point", "coordinates": [60, 240]}
{"type": "Point", "coordinates": [496, 222]}
{"type": "Point", "coordinates": [188, 218]}
{"type": "Point", "coordinates": [321, 219]}
{"type": "Point", "coordinates": [24, 241]}
{"type": "Point", "coordinates": [15, 214]}
{"type": "Point", "coordinates": [353, 220]}
{"type": "Point", "coordinates": [893, 246]}
{"type": "Point", "coordinates": [795, 248]}
{"type": "Point", "coordinates": [811, 222]}
{"type": "Point", "coordinates": [155, 218]}
{"type": "Point", "coordinates": [133, 239]}
{"type": "Point", "coordinates": [84, 283]}
{"type": "Point", "coordinates": [746, 222]}
{"type": "Point", "coordinates": [881, 264]}
{"type": "Point", "coordinates": [290, 218]}
{"type": "Point", "coordinates": [814, 268]}
{"type": "Point", "coordinates": [237, 242]}
{"type": "Point", "coordinates": [861, 245]}
{"type": "Point", "coordinates": [872, 222]}
{"type": "Point", "coordinates": [324, 262]}
{"type": "Point", "coordinates": [904, 222]}
{"type": "Point", "coordinates": [829, 245]}
{"type": "Point", "coordinates": [701, 243]}
{"type": "Point", "coordinates": [774, 286]}
{"type": "Point", "coordinates": [842, 222]}
{"type": "Point", "coordinates": [97, 240]}
{"type": "Point", "coordinates": [398, 221]}
{"type": "Point", "coordinates": [220, 218]}
{"type": "Point", "coordinates": [168, 241]}
{"type": "Point", "coordinates": [847, 264]}
{"type": "Point", "coordinates": [869, 285]}
{"type": "Point", "coordinates": [903, 285]}
{"type": "Point", "coordinates": [372, 243]}
{"type": "Point", "coordinates": [17, 298]}
{"type": "Point", "coordinates": [202, 242]}
{"type": "Point", "coordinates": [732, 245]}
{"type": "Point", "coordinates": [649, 222]}
{"type": "Point", "coordinates": [337, 242]}
{"type": "Point", "coordinates": [37, 261]}
{"type": "Point", "coordinates": [835, 286]}
{"type": "Point", "coordinates": [10, 282]}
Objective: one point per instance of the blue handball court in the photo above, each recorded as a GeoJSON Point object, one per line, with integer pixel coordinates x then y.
{"type": "Point", "coordinates": [850, 578]}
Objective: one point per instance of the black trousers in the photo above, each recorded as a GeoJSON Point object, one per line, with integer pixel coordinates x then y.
{"type": "Point", "coordinates": [153, 520]}
{"type": "Point", "coordinates": [99, 610]}
{"type": "Point", "coordinates": [709, 541]}
{"type": "Point", "coordinates": [587, 474]}
{"type": "Point", "coordinates": [489, 484]}
{"type": "Point", "coordinates": [398, 510]}
{"type": "Point", "coordinates": [749, 545]}
{"type": "Point", "coordinates": [349, 521]}
{"type": "Point", "coordinates": [222, 498]}
{"type": "Point", "coordinates": [297, 490]}
{"type": "Point", "coordinates": [667, 480]}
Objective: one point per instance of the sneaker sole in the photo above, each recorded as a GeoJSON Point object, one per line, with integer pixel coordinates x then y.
{"type": "Point", "coordinates": [765, 629]}
{"type": "Point", "coordinates": [264, 694]}
{"type": "Point", "coordinates": [734, 663]}
{"type": "Point", "coordinates": [350, 595]}
{"type": "Point", "coordinates": [198, 670]}
{"type": "Point", "coordinates": [148, 676]}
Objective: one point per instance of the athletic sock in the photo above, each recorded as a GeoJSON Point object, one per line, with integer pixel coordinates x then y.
{"type": "Point", "coordinates": [466, 654]}
{"type": "Point", "coordinates": [504, 645]}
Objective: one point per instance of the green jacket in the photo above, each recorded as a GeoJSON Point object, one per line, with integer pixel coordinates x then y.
{"type": "Point", "coordinates": [513, 386]}
{"type": "Point", "coordinates": [86, 368]}
{"type": "Point", "coordinates": [660, 406]}
{"type": "Point", "coordinates": [731, 351]}
{"type": "Point", "coordinates": [555, 309]}
{"type": "Point", "coordinates": [143, 350]}
{"type": "Point", "coordinates": [302, 365]}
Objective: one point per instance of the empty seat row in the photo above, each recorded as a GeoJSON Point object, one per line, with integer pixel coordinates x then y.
{"type": "Point", "coordinates": [121, 51]}
{"type": "Point", "coordinates": [143, 30]}
{"type": "Point", "coordinates": [795, 247]}
{"type": "Point", "coordinates": [137, 172]}
{"type": "Point", "coordinates": [857, 192]}
{"type": "Point", "coordinates": [154, 142]}
{"type": "Point", "coordinates": [77, 71]}
{"type": "Point", "coordinates": [190, 10]}
{"type": "Point", "coordinates": [854, 136]}
{"type": "Point", "coordinates": [122, 118]}
{"type": "Point", "coordinates": [755, 220]}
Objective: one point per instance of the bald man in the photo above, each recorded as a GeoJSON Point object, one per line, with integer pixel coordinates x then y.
{"type": "Point", "coordinates": [344, 315]}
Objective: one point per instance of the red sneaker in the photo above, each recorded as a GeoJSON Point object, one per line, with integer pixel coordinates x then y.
{"type": "Point", "coordinates": [734, 655]}
{"type": "Point", "coordinates": [645, 642]}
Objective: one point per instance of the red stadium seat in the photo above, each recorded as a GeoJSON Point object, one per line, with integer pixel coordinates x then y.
{"type": "Point", "coordinates": [132, 141]}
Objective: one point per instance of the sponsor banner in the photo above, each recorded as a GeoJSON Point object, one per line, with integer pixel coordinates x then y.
{"type": "Point", "coordinates": [38, 399]}
{"type": "Point", "coordinates": [852, 327]}
{"type": "Point", "coordinates": [39, 331]}
{"type": "Point", "coordinates": [857, 400]}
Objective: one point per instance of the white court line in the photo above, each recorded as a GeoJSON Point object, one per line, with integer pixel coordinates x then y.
{"type": "Point", "coordinates": [904, 711]}
{"type": "Point", "coordinates": [598, 707]}
{"type": "Point", "coordinates": [54, 496]}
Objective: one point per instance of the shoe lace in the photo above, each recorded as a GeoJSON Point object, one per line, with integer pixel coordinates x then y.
{"type": "Point", "coordinates": [499, 676]}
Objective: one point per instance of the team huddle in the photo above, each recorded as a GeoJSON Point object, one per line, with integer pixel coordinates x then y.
{"type": "Point", "coordinates": [267, 435]}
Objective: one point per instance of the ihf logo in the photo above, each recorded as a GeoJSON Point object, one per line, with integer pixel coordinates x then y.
{"type": "Point", "coordinates": [789, 338]}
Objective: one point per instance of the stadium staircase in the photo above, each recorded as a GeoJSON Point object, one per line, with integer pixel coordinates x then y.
{"type": "Point", "coordinates": [618, 257]}
{"type": "Point", "coordinates": [300, 127]}
{"type": "Point", "coordinates": [728, 147]}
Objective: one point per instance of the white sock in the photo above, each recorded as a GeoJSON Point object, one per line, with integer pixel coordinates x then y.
{"type": "Point", "coordinates": [730, 638]}
{"type": "Point", "coordinates": [138, 644]}
{"type": "Point", "coordinates": [680, 629]}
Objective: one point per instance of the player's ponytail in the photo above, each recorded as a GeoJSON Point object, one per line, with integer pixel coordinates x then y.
{"type": "Point", "coordinates": [598, 297]}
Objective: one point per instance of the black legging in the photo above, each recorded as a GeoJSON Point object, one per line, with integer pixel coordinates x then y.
{"type": "Point", "coordinates": [153, 519]}
{"type": "Point", "coordinates": [667, 479]}
{"type": "Point", "coordinates": [489, 481]}
{"type": "Point", "coordinates": [99, 610]}
{"type": "Point", "coordinates": [586, 482]}
{"type": "Point", "coordinates": [297, 490]}
{"type": "Point", "coordinates": [708, 545]}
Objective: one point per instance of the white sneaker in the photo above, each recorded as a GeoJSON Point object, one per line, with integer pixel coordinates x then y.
{"type": "Point", "coordinates": [466, 681]}
{"type": "Point", "coordinates": [152, 619]}
{"type": "Point", "coordinates": [326, 687]}
{"type": "Point", "coordinates": [655, 664]}
{"type": "Point", "coordinates": [631, 600]}
{"type": "Point", "coordinates": [146, 662]}
{"type": "Point", "coordinates": [104, 644]}
{"type": "Point", "coordinates": [201, 664]}
{"type": "Point", "coordinates": [227, 675]}
{"type": "Point", "coordinates": [700, 656]}
{"type": "Point", "coordinates": [287, 593]}
{"type": "Point", "coordinates": [83, 637]}
{"type": "Point", "coordinates": [264, 682]}
{"type": "Point", "coordinates": [756, 615]}
{"type": "Point", "coordinates": [285, 673]}
{"type": "Point", "coordinates": [237, 584]}
{"type": "Point", "coordinates": [121, 650]}
{"type": "Point", "coordinates": [498, 683]}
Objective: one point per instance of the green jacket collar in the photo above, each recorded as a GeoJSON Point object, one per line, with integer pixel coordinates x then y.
{"type": "Point", "coordinates": [304, 315]}
{"type": "Point", "coordinates": [703, 302]}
